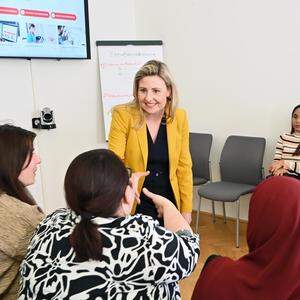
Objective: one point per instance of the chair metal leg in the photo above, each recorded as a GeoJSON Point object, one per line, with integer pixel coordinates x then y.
{"type": "Point", "coordinates": [224, 213]}
{"type": "Point", "coordinates": [238, 223]}
{"type": "Point", "coordinates": [198, 215]}
{"type": "Point", "coordinates": [213, 211]}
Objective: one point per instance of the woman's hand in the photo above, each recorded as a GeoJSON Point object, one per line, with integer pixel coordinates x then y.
{"type": "Point", "coordinates": [279, 172]}
{"type": "Point", "coordinates": [173, 219]}
{"type": "Point", "coordinates": [160, 202]}
{"type": "Point", "coordinates": [278, 167]}
{"type": "Point", "coordinates": [134, 181]}
{"type": "Point", "coordinates": [187, 216]}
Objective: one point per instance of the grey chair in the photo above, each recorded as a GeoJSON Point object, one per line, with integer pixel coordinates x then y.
{"type": "Point", "coordinates": [200, 145]}
{"type": "Point", "coordinates": [240, 169]}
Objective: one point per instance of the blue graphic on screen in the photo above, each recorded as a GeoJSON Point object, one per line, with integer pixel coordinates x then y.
{"type": "Point", "coordinates": [44, 28]}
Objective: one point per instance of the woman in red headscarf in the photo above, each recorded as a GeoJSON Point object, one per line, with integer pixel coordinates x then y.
{"type": "Point", "coordinates": [271, 269]}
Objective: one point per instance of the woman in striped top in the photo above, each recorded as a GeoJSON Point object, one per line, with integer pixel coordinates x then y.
{"type": "Point", "coordinates": [287, 154]}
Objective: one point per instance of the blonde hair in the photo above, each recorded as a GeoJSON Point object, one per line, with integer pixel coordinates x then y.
{"type": "Point", "coordinates": [155, 68]}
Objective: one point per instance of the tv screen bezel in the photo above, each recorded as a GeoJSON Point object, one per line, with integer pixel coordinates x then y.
{"type": "Point", "coordinates": [87, 36]}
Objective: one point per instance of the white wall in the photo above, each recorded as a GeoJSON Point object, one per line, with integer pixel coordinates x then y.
{"type": "Point", "coordinates": [17, 104]}
{"type": "Point", "coordinates": [69, 87]}
{"type": "Point", "coordinates": [236, 64]}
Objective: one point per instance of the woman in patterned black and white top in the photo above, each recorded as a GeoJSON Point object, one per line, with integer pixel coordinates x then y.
{"type": "Point", "coordinates": [95, 250]}
{"type": "Point", "coordinates": [287, 154]}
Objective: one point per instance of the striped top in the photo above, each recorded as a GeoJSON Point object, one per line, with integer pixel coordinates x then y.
{"type": "Point", "coordinates": [286, 146]}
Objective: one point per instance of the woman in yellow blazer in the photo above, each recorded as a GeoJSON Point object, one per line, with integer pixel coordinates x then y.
{"type": "Point", "coordinates": [151, 133]}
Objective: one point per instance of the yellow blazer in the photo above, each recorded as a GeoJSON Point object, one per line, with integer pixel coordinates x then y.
{"type": "Point", "coordinates": [131, 145]}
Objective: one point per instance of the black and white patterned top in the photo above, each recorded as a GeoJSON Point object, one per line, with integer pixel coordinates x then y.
{"type": "Point", "coordinates": [141, 260]}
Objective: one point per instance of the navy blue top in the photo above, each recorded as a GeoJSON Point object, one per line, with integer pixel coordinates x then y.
{"type": "Point", "coordinates": [158, 180]}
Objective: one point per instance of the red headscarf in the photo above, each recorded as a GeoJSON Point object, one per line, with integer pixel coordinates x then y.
{"type": "Point", "coordinates": [271, 269]}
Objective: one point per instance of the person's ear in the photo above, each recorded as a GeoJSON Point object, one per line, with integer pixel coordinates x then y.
{"type": "Point", "coordinates": [127, 200]}
{"type": "Point", "coordinates": [129, 195]}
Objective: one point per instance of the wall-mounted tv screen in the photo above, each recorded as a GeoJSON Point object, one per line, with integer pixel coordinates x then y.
{"type": "Point", "coordinates": [44, 29]}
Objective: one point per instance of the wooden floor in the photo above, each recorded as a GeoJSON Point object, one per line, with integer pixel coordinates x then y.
{"type": "Point", "coordinates": [215, 238]}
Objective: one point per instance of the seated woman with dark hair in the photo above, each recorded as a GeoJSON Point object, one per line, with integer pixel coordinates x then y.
{"type": "Point", "coordinates": [19, 214]}
{"type": "Point", "coordinates": [287, 154]}
{"type": "Point", "coordinates": [271, 268]}
{"type": "Point", "coordinates": [96, 250]}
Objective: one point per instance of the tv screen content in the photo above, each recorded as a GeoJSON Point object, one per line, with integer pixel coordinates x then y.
{"type": "Point", "coordinates": [44, 29]}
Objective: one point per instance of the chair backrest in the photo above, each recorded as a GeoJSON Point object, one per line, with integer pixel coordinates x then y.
{"type": "Point", "coordinates": [242, 158]}
{"type": "Point", "coordinates": [200, 145]}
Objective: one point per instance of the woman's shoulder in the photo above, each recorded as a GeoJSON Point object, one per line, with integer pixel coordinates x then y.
{"type": "Point", "coordinates": [125, 113]}
{"type": "Point", "coordinates": [13, 205]}
{"type": "Point", "coordinates": [59, 222]}
{"type": "Point", "coordinates": [286, 135]}
{"type": "Point", "coordinates": [52, 234]}
{"type": "Point", "coordinates": [125, 109]}
{"type": "Point", "coordinates": [290, 137]}
{"type": "Point", "coordinates": [21, 218]}
{"type": "Point", "coordinates": [10, 202]}
{"type": "Point", "coordinates": [180, 114]}
{"type": "Point", "coordinates": [60, 217]}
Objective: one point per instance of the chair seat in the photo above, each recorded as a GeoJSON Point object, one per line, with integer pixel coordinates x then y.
{"type": "Point", "coordinates": [224, 190]}
{"type": "Point", "coordinates": [199, 180]}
